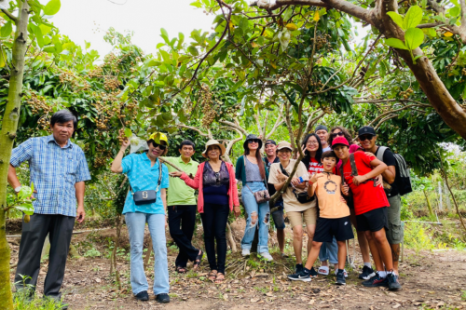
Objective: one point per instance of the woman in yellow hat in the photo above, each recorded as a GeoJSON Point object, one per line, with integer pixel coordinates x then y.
{"type": "Point", "coordinates": [146, 203]}
{"type": "Point", "coordinates": [218, 195]}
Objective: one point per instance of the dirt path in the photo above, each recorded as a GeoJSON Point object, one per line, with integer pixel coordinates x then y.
{"type": "Point", "coordinates": [429, 279]}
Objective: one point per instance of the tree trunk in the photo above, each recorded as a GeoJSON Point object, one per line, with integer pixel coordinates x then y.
{"type": "Point", "coordinates": [230, 239]}
{"type": "Point", "coordinates": [7, 136]}
{"type": "Point", "coordinates": [431, 212]}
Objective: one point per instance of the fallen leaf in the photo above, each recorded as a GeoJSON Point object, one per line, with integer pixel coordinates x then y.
{"type": "Point", "coordinates": [396, 306]}
{"type": "Point", "coordinates": [255, 300]}
{"type": "Point", "coordinates": [98, 280]}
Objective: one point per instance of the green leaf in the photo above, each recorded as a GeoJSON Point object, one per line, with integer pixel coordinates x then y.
{"type": "Point", "coordinates": [396, 43]}
{"type": "Point", "coordinates": [38, 33]}
{"type": "Point", "coordinates": [2, 57]}
{"type": "Point", "coordinates": [430, 32]}
{"type": "Point", "coordinates": [413, 17]}
{"type": "Point", "coordinates": [52, 7]}
{"type": "Point", "coordinates": [128, 132]}
{"type": "Point", "coordinates": [6, 30]}
{"type": "Point", "coordinates": [193, 51]}
{"type": "Point", "coordinates": [397, 18]}
{"type": "Point", "coordinates": [26, 208]}
{"type": "Point", "coordinates": [414, 38]}
{"type": "Point", "coordinates": [25, 193]}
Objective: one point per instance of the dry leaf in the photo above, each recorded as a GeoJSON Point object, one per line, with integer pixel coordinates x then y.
{"type": "Point", "coordinates": [396, 306]}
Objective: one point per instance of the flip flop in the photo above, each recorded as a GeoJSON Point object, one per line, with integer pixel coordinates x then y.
{"type": "Point", "coordinates": [180, 269]}
{"type": "Point", "coordinates": [219, 281]}
{"type": "Point", "coordinates": [212, 275]}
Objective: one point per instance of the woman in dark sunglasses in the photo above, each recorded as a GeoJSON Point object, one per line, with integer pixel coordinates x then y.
{"type": "Point", "coordinates": [339, 131]}
{"type": "Point", "coordinates": [218, 195]}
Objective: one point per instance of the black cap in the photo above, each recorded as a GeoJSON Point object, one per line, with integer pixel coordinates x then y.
{"type": "Point", "coordinates": [321, 127]}
{"type": "Point", "coordinates": [366, 130]}
{"type": "Point", "coordinates": [270, 142]}
{"type": "Point", "coordinates": [252, 137]}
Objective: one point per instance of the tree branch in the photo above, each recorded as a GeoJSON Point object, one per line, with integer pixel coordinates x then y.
{"type": "Point", "coordinates": [234, 126]}
{"type": "Point", "coordinates": [195, 129]}
{"type": "Point", "coordinates": [10, 16]}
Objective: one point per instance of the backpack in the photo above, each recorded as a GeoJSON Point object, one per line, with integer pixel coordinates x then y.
{"type": "Point", "coordinates": [402, 177]}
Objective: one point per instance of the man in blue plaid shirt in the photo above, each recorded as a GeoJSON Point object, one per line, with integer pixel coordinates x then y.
{"type": "Point", "coordinates": [58, 170]}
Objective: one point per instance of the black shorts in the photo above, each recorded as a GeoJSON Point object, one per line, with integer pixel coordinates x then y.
{"type": "Point", "coordinates": [326, 229]}
{"type": "Point", "coordinates": [373, 220]}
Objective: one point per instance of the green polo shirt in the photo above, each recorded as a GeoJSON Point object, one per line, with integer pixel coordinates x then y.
{"type": "Point", "coordinates": [178, 192]}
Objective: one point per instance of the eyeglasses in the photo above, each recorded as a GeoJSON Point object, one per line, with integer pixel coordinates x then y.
{"type": "Point", "coordinates": [313, 143]}
{"type": "Point", "coordinates": [217, 177]}
{"type": "Point", "coordinates": [335, 134]}
{"type": "Point", "coordinates": [160, 146]}
{"type": "Point", "coordinates": [253, 141]}
{"type": "Point", "coordinates": [365, 137]}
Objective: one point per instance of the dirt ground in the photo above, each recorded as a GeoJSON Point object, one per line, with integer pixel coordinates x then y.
{"type": "Point", "coordinates": [430, 280]}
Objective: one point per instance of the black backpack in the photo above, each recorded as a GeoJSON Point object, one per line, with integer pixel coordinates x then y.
{"type": "Point", "coordinates": [402, 178]}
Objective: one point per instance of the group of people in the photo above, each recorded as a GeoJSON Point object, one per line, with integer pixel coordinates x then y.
{"type": "Point", "coordinates": [338, 183]}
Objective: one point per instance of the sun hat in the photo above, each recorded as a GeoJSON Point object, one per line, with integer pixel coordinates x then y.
{"type": "Point", "coordinates": [340, 141]}
{"type": "Point", "coordinates": [214, 142]}
{"type": "Point", "coordinates": [284, 145]}
{"type": "Point", "coordinates": [249, 138]}
{"type": "Point", "coordinates": [158, 136]}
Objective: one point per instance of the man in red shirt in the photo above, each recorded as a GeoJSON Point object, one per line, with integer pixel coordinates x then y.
{"type": "Point", "coordinates": [370, 204]}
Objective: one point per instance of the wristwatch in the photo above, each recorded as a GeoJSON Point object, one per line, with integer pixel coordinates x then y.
{"type": "Point", "coordinates": [18, 189]}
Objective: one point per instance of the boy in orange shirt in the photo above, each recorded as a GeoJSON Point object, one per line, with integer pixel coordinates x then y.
{"type": "Point", "coordinates": [333, 219]}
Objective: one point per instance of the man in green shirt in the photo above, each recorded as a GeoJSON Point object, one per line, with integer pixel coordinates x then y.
{"type": "Point", "coordinates": [181, 203]}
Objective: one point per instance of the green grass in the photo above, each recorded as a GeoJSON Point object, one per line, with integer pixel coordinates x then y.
{"type": "Point", "coordinates": [21, 303]}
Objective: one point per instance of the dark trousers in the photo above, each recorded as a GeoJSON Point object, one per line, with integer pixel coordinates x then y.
{"type": "Point", "coordinates": [181, 222]}
{"type": "Point", "coordinates": [60, 229]}
{"type": "Point", "coordinates": [214, 221]}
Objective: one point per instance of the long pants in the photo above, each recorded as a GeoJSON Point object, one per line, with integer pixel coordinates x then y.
{"type": "Point", "coordinates": [60, 229]}
{"type": "Point", "coordinates": [181, 221]}
{"type": "Point", "coordinates": [136, 222]}
{"type": "Point", "coordinates": [329, 251]}
{"type": "Point", "coordinates": [261, 212]}
{"type": "Point", "coordinates": [214, 221]}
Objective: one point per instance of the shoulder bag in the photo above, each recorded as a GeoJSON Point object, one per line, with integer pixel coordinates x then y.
{"type": "Point", "coordinates": [260, 196]}
{"type": "Point", "coordinates": [150, 196]}
{"type": "Point", "coordinates": [302, 197]}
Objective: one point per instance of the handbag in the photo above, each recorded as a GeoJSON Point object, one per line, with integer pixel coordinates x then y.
{"type": "Point", "coordinates": [260, 196]}
{"type": "Point", "coordinates": [302, 197]}
{"type": "Point", "coordinates": [149, 196]}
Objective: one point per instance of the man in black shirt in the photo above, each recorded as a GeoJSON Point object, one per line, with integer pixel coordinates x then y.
{"type": "Point", "coordinates": [367, 138]}
{"type": "Point", "coordinates": [278, 217]}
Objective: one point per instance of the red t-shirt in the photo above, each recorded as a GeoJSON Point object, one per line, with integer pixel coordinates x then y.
{"type": "Point", "coordinates": [315, 166]}
{"type": "Point", "coordinates": [366, 197]}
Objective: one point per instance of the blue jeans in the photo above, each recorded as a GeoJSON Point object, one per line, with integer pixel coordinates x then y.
{"type": "Point", "coordinates": [329, 251]}
{"type": "Point", "coordinates": [262, 214]}
{"type": "Point", "coordinates": [136, 223]}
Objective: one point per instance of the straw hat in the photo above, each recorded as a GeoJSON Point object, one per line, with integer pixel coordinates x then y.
{"type": "Point", "coordinates": [214, 142]}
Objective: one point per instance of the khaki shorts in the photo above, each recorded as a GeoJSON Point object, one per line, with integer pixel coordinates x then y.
{"type": "Point", "coordinates": [395, 231]}
{"type": "Point", "coordinates": [296, 217]}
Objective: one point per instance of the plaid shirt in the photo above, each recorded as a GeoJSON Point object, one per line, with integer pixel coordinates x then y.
{"type": "Point", "coordinates": [54, 170]}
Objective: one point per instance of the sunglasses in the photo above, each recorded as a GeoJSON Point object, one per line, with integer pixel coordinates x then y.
{"type": "Point", "coordinates": [334, 135]}
{"type": "Point", "coordinates": [253, 141]}
{"type": "Point", "coordinates": [160, 146]}
{"type": "Point", "coordinates": [365, 137]}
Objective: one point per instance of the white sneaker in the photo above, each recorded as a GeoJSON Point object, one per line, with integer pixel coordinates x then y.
{"type": "Point", "coordinates": [266, 256]}
{"type": "Point", "coordinates": [344, 272]}
{"type": "Point", "coordinates": [245, 252]}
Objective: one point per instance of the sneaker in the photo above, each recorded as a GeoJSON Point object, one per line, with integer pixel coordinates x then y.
{"type": "Point", "coordinates": [300, 276]}
{"type": "Point", "coordinates": [266, 256]}
{"type": "Point", "coordinates": [367, 273]}
{"type": "Point", "coordinates": [245, 252]}
{"type": "Point", "coordinates": [341, 277]}
{"type": "Point", "coordinates": [375, 281]}
{"type": "Point", "coordinates": [163, 298]}
{"type": "Point", "coordinates": [298, 268]}
{"type": "Point", "coordinates": [393, 284]}
{"type": "Point", "coordinates": [142, 296]}
{"type": "Point", "coordinates": [323, 270]}
{"type": "Point", "coordinates": [344, 272]}
{"type": "Point", "coordinates": [313, 272]}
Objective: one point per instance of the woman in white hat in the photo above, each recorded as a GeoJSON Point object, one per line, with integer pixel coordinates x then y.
{"type": "Point", "coordinates": [218, 195]}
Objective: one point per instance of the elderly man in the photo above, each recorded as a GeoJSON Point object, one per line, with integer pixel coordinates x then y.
{"type": "Point", "coordinates": [58, 170]}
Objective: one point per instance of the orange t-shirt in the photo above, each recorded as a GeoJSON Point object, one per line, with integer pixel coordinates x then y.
{"type": "Point", "coordinates": [329, 196]}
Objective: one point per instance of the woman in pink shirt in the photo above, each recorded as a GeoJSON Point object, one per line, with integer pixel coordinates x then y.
{"type": "Point", "coordinates": [218, 195]}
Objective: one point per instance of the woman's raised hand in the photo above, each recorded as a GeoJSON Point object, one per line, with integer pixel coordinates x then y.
{"type": "Point", "coordinates": [175, 174]}
{"type": "Point", "coordinates": [125, 144]}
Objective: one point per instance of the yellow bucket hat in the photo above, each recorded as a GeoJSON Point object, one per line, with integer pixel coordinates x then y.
{"type": "Point", "coordinates": [158, 136]}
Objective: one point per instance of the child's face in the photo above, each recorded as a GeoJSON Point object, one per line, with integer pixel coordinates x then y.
{"type": "Point", "coordinates": [329, 163]}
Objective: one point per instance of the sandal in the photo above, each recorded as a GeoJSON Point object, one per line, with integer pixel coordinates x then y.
{"type": "Point", "coordinates": [180, 269]}
{"type": "Point", "coordinates": [220, 278]}
{"type": "Point", "coordinates": [197, 262]}
{"type": "Point", "coordinates": [323, 270]}
{"type": "Point", "coordinates": [212, 275]}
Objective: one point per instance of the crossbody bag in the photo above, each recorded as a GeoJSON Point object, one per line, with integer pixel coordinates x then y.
{"type": "Point", "coordinates": [147, 197]}
{"type": "Point", "coordinates": [302, 197]}
{"type": "Point", "coordinates": [260, 196]}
